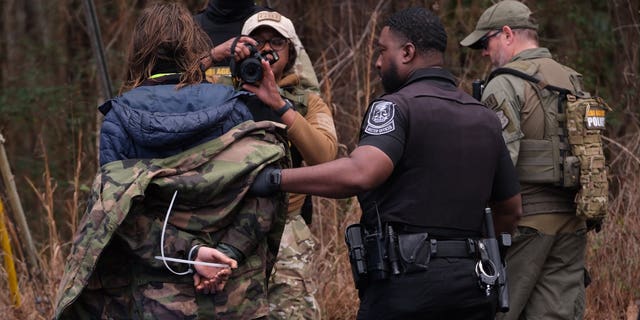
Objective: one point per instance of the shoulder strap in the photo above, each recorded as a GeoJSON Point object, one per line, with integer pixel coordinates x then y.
{"type": "Point", "coordinates": [529, 78]}
{"type": "Point", "coordinates": [542, 84]}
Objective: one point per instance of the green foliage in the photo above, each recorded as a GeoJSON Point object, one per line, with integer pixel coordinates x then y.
{"type": "Point", "coordinates": [25, 101]}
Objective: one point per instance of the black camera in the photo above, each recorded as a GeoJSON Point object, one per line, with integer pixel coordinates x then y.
{"type": "Point", "coordinates": [249, 69]}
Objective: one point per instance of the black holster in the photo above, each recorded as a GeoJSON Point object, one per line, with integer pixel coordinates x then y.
{"type": "Point", "coordinates": [376, 255]}
{"type": "Point", "coordinates": [354, 237]}
{"type": "Point", "coordinates": [377, 259]}
{"type": "Point", "coordinates": [369, 253]}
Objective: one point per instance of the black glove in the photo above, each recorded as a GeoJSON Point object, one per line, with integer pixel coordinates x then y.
{"type": "Point", "coordinates": [267, 182]}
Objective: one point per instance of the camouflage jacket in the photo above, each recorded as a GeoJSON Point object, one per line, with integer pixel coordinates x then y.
{"type": "Point", "coordinates": [111, 271]}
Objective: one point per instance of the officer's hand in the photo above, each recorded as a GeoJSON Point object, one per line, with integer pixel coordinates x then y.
{"type": "Point", "coordinates": [212, 279]}
{"type": "Point", "coordinates": [267, 182]}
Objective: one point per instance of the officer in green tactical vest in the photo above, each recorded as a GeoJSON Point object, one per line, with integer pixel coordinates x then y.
{"type": "Point", "coordinates": [545, 265]}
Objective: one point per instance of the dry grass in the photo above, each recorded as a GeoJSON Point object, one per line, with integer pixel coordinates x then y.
{"type": "Point", "coordinates": [38, 289]}
{"type": "Point", "coordinates": [343, 49]}
{"type": "Point", "coordinates": [336, 294]}
{"type": "Point", "coordinates": [612, 256]}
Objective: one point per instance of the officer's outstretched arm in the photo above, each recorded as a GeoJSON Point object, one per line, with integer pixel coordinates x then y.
{"type": "Point", "coordinates": [507, 214]}
{"type": "Point", "coordinates": [365, 168]}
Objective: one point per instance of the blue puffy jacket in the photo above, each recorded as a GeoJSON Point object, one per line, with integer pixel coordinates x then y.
{"type": "Point", "coordinates": [160, 121]}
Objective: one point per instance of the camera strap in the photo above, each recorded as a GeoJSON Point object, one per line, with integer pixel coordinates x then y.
{"type": "Point", "coordinates": [232, 62]}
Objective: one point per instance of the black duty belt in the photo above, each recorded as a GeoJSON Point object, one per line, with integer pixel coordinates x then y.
{"type": "Point", "coordinates": [376, 254]}
{"type": "Point", "coordinates": [415, 250]}
{"type": "Point", "coordinates": [453, 248]}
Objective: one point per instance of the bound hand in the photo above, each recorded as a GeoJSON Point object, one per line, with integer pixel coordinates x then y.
{"type": "Point", "coordinates": [212, 279]}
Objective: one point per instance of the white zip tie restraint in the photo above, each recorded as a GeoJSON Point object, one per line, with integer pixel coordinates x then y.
{"type": "Point", "coordinates": [165, 259]}
{"type": "Point", "coordinates": [200, 263]}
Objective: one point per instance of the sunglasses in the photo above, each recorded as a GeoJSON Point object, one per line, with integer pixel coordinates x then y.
{"type": "Point", "coordinates": [276, 43]}
{"type": "Point", "coordinates": [483, 43]}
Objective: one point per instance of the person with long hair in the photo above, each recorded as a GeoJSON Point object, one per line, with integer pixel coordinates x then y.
{"type": "Point", "coordinates": [170, 192]}
{"type": "Point", "coordinates": [164, 76]}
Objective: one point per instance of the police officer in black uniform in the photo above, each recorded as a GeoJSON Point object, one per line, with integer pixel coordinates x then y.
{"type": "Point", "coordinates": [430, 158]}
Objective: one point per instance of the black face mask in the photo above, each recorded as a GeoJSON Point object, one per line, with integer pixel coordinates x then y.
{"type": "Point", "coordinates": [390, 79]}
{"type": "Point", "coordinates": [231, 9]}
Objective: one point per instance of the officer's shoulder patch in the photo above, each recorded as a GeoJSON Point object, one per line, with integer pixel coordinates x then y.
{"type": "Point", "coordinates": [504, 120]}
{"type": "Point", "coordinates": [381, 118]}
{"type": "Point", "coordinates": [491, 102]}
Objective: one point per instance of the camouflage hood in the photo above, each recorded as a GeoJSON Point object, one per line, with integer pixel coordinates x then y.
{"type": "Point", "coordinates": [212, 180]}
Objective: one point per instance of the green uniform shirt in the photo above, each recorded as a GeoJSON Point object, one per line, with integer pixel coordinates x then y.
{"type": "Point", "coordinates": [547, 208]}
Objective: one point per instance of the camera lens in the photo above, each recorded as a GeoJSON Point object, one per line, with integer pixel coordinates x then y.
{"type": "Point", "coordinates": [251, 70]}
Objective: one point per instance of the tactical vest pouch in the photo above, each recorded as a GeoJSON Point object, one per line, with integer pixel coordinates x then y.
{"type": "Point", "coordinates": [540, 162]}
{"type": "Point", "coordinates": [571, 172]}
{"type": "Point", "coordinates": [536, 162]}
{"type": "Point", "coordinates": [585, 122]}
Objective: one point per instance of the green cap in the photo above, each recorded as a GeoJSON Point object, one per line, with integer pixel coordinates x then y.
{"type": "Point", "coordinates": [504, 13]}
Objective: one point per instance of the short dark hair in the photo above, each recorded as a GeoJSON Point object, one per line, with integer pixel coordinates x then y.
{"type": "Point", "coordinates": [421, 27]}
{"type": "Point", "coordinates": [293, 55]}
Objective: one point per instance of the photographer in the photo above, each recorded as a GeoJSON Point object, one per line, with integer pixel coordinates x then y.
{"type": "Point", "coordinates": [312, 134]}
{"type": "Point", "coordinates": [170, 136]}
{"type": "Point", "coordinates": [222, 20]}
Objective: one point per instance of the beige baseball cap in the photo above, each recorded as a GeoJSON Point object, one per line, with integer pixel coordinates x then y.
{"type": "Point", "coordinates": [273, 19]}
{"type": "Point", "coordinates": [514, 14]}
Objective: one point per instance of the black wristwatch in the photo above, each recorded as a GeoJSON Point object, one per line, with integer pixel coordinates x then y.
{"type": "Point", "coordinates": [283, 109]}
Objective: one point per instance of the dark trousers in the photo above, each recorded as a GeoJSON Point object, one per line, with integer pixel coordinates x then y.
{"type": "Point", "coordinates": [447, 290]}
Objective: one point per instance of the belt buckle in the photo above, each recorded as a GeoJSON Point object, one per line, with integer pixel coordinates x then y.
{"type": "Point", "coordinates": [471, 247]}
{"type": "Point", "coordinates": [433, 246]}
